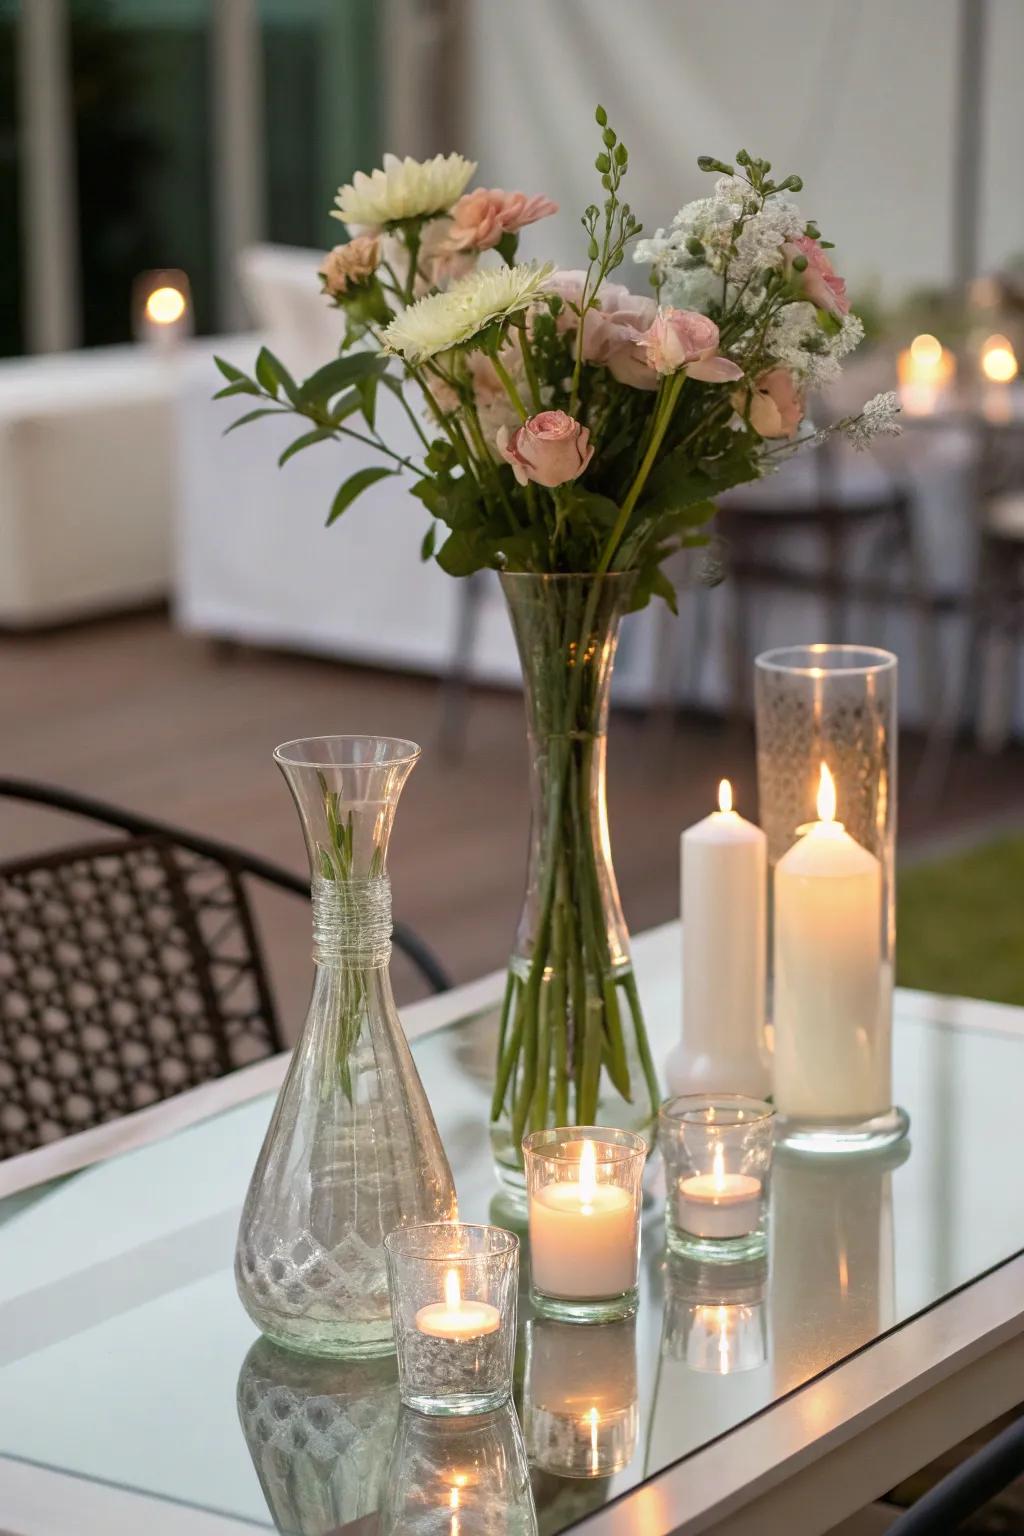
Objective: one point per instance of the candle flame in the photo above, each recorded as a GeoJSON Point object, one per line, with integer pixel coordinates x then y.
{"type": "Point", "coordinates": [926, 350]}
{"type": "Point", "coordinates": [452, 1294]}
{"type": "Point", "coordinates": [588, 1174]}
{"type": "Point", "coordinates": [165, 305]}
{"type": "Point", "coordinates": [826, 795]}
{"type": "Point", "coordinates": [595, 1421]}
{"type": "Point", "coordinates": [725, 795]}
{"type": "Point", "coordinates": [998, 360]}
{"type": "Point", "coordinates": [718, 1166]}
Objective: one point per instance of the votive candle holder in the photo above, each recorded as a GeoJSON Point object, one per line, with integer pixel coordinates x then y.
{"type": "Point", "coordinates": [718, 1153]}
{"type": "Point", "coordinates": [584, 1193]}
{"type": "Point", "coordinates": [453, 1304]}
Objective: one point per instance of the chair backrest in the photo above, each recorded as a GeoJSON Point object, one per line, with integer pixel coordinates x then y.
{"type": "Point", "coordinates": [129, 971]}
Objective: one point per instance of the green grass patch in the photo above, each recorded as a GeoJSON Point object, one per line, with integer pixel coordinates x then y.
{"type": "Point", "coordinates": [960, 924]}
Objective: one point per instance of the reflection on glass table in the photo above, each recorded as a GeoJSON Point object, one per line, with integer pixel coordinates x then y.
{"type": "Point", "coordinates": [319, 1434]}
{"type": "Point", "coordinates": [580, 1407]}
{"type": "Point", "coordinates": [459, 1477]}
{"type": "Point", "coordinates": [122, 1338]}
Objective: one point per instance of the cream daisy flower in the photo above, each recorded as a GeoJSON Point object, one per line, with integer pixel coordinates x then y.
{"type": "Point", "coordinates": [404, 189]}
{"type": "Point", "coordinates": [444, 320]}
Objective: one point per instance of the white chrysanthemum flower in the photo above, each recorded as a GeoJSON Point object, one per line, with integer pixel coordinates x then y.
{"type": "Point", "coordinates": [445, 319]}
{"type": "Point", "coordinates": [879, 418]}
{"type": "Point", "coordinates": [403, 189]}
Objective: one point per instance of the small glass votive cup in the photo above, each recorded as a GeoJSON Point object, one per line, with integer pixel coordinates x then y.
{"type": "Point", "coordinates": [584, 1193]}
{"type": "Point", "coordinates": [453, 1305]}
{"type": "Point", "coordinates": [718, 1155]}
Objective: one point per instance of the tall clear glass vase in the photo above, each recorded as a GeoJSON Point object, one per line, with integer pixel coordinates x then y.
{"type": "Point", "coordinates": [572, 1045]}
{"type": "Point", "coordinates": [352, 1150]}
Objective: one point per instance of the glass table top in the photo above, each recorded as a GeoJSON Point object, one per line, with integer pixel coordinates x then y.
{"type": "Point", "coordinates": [125, 1356]}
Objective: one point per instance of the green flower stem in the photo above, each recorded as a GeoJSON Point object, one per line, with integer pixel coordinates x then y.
{"type": "Point", "coordinates": [663, 416]}
{"type": "Point", "coordinates": [510, 385]}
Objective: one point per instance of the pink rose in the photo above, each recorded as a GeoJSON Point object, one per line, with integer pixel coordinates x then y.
{"type": "Point", "coordinates": [349, 264]}
{"type": "Point", "coordinates": [684, 340]}
{"type": "Point", "coordinates": [774, 407]}
{"type": "Point", "coordinates": [609, 335]}
{"type": "Point", "coordinates": [481, 218]}
{"type": "Point", "coordinates": [818, 280]}
{"type": "Point", "coordinates": [550, 449]}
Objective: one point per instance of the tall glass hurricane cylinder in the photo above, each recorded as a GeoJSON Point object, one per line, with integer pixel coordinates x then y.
{"type": "Point", "coordinates": [826, 760]}
{"type": "Point", "coordinates": [352, 1151]}
{"type": "Point", "coordinates": [573, 1049]}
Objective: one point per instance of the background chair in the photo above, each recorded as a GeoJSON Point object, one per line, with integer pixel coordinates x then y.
{"type": "Point", "coordinates": [130, 970]}
{"type": "Point", "coordinates": [943, 1509]}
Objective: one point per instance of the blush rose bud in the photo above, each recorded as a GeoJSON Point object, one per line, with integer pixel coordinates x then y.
{"type": "Point", "coordinates": [550, 449]}
{"type": "Point", "coordinates": [684, 340]}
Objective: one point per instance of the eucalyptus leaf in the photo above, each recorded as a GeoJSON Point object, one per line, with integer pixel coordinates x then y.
{"type": "Point", "coordinates": [266, 410]}
{"type": "Point", "coordinates": [318, 435]}
{"type": "Point", "coordinates": [354, 486]}
{"type": "Point", "coordinates": [338, 374]}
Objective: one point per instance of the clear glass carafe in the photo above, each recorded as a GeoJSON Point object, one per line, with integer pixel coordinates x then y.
{"type": "Point", "coordinates": [573, 1049]}
{"type": "Point", "coordinates": [352, 1151]}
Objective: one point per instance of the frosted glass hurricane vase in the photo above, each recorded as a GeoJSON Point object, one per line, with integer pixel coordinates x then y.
{"type": "Point", "coordinates": [573, 1049]}
{"type": "Point", "coordinates": [352, 1151]}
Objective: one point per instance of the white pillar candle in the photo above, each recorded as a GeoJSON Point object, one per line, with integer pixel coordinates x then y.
{"type": "Point", "coordinates": [833, 1056]}
{"type": "Point", "coordinates": [584, 1236]}
{"type": "Point", "coordinates": [723, 892]}
{"type": "Point", "coordinates": [456, 1319]}
{"type": "Point", "coordinates": [719, 1204]}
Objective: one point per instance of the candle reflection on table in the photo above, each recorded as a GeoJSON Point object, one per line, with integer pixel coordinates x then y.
{"type": "Point", "coordinates": [716, 1315]}
{"type": "Point", "coordinates": [580, 1402]}
{"type": "Point", "coordinates": [832, 1239]}
{"type": "Point", "coordinates": [461, 1476]}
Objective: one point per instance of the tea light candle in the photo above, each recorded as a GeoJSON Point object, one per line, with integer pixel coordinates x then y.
{"type": "Point", "coordinates": [456, 1319]}
{"type": "Point", "coordinates": [719, 1204]}
{"type": "Point", "coordinates": [723, 897]}
{"type": "Point", "coordinates": [583, 1235]}
{"type": "Point", "coordinates": [832, 1051]}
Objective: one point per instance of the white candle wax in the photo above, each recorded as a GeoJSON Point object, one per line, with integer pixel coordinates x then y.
{"type": "Point", "coordinates": [832, 1033]}
{"type": "Point", "coordinates": [723, 892]}
{"type": "Point", "coordinates": [584, 1236]}
{"type": "Point", "coordinates": [456, 1319]}
{"type": "Point", "coordinates": [719, 1205]}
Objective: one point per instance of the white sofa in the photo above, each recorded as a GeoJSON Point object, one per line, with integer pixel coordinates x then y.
{"type": "Point", "coordinates": [87, 484]}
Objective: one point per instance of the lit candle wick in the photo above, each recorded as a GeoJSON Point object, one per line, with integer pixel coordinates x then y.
{"type": "Point", "coordinates": [595, 1420]}
{"type": "Point", "coordinates": [452, 1294]}
{"type": "Point", "coordinates": [826, 795]}
{"type": "Point", "coordinates": [725, 797]}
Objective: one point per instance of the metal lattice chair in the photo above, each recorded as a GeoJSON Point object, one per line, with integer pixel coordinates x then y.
{"type": "Point", "coordinates": [130, 970]}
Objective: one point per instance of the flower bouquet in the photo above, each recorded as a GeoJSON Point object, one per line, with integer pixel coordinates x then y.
{"type": "Point", "coordinates": [572, 435]}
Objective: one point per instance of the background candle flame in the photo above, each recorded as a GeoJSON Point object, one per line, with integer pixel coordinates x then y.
{"type": "Point", "coordinates": [725, 795]}
{"type": "Point", "coordinates": [452, 1294]}
{"type": "Point", "coordinates": [826, 795]}
{"type": "Point", "coordinates": [165, 305]}
{"type": "Point", "coordinates": [998, 360]}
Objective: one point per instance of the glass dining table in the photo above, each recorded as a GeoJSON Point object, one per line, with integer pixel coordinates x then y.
{"type": "Point", "coordinates": [886, 1321]}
